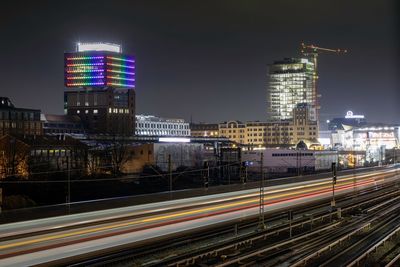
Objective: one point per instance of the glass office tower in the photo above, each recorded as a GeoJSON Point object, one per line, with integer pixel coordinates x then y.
{"type": "Point", "coordinates": [292, 81]}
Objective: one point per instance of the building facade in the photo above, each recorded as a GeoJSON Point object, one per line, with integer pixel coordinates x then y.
{"type": "Point", "coordinates": [234, 130]}
{"type": "Point", "coordinates": [292, 81]}
{"type": "Point", "coordinates": [305, 128]}
{"type": "Point", "coordinates": [290, 160]}
{"type": "Point", "coordinates": [156, 154]}
{"type": "Point", "coordinates": [41, 156]}
{"type": "Point", "coordinates": [62, 124]}
{"type": "Point", "coordinates": [273, 133]}
{"type": "Point", "coordinates": [155, 126]}
{"type": "Point", "coordinates": [374, 139]}
{"type": "Point", "coordinates": [204, 130]}
{"type": "Point", "coordinates": [104, 111]}
{"type": "Point", "coordinates": [18, 121]}
{"type": "Point", "coordinates": [264, 134]}
{"type": "Point", "coordinates": [100, 83]}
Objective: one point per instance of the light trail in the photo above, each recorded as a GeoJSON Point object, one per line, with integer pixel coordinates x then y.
{"type": "Point", "coordinates": [297, 192]}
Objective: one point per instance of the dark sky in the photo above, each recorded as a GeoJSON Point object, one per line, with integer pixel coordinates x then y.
{"type": "Point", "coordinates": [208, 59]}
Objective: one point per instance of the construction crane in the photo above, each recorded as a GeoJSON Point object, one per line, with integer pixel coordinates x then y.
{"type": "Point", "coordinates": [312, 51]}
{"type": "Point", "coordinates": [315, 49]}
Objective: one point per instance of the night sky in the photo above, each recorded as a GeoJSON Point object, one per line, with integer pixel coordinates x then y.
{"type": "Point", "coordinates": [208, 59]}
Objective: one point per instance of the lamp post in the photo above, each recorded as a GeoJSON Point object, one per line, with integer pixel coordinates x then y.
{"type": "Point", "coordinates": [261, 225]}
{"type": "Point", "coordinates": [1, 189]}
{"type": "Point", "coordinates": [206, 174]}
{"type": "Point", "coordinates": [333, 202]}
{"type": "Point", "coordinates": [354, 174]}
{"type": "Point", "coordinates": [68, 196]}
{"type": "Point", "coordinates": [245, 174]}
{"type": "Point", "coordinates": [298, 161]}
{"type": "Point", "coordinates": [170, 172]}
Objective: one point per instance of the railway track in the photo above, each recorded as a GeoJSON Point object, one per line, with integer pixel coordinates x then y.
{"type": "Point", "coordinates": [222, 244]}
{"type": "Point", "coordinates": [351, 248]}
{"type": "Point", "coordinates": [298, 251]}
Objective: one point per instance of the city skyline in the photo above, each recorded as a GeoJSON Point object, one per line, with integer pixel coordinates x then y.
{"type": "Point", "coordinates": [189, 65]}
{"type": "Point", "coordinates": [200, 133]}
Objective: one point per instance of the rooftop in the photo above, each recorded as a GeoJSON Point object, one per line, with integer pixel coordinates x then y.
{"type": "Point", "coordinates": [100, 46]}
{"type": "Point", "coordinates": [60, 118]}
{"type": "Point", "coordinates": [5, 103]}
{"type": "Point", "coordinates": [153, 118]}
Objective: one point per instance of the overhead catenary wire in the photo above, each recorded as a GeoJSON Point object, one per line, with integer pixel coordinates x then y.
{"type": "Point", "coordinates": [135, 177]}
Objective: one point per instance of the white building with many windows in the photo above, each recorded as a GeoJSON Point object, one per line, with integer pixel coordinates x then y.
{"type": "Point", "coordinates": [291, 82]}
{"type": "Point", "coordinates": [155, 126]}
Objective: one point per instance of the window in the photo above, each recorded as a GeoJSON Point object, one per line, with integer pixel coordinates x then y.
{"type": "Point", "coordinates": [78, 111]}
{"type": "Point", "coordinates": [95, 111]}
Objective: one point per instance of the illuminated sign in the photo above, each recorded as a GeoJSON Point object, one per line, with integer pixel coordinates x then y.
{"type": "Point", "coordinates": [99, 69]}
{"type": "Point", "coordinates": [84, 47]}
{"type": "Point", "coordinates": [350, 115]}
{"type": "Point", "coordinates": [381, 135]}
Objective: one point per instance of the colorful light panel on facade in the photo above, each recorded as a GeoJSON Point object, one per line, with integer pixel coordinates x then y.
{"type": "Point", "coordinates": [99, 69]}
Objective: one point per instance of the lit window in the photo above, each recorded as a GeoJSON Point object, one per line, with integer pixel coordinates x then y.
{"type": "Point", "coordinates": [109, 110]}
{"type": "Point", "coordinates": [78, 111]}
{"type": "Point", "coordinates": [86, 111]}
{"type": "Point", "coordinates": [95, 111]}
{"type": "Point", "coordinates": [87, 104]}
{"type": "Point", "coordinates": [115, 110]}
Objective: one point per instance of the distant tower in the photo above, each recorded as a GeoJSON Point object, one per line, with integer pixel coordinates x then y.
{"type": "Point", "coordinates": [291, 82]}
{"type": "Point", "coordinates": [100, 83]}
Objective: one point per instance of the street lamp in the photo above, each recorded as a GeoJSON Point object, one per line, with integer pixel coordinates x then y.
{"type": "Point", "coordinates": [261, 225]}
{"type": "Point", "coordinates": [69, 183]}
{"type": "Point", "coordinates": [333, 202]}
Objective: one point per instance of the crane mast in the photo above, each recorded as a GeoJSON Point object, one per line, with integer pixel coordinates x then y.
{"type": "Point", "coordinates": [312, 51]}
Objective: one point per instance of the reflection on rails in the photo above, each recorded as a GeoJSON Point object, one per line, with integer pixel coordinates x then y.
{"type": "Point", "coordinates": [26, 243]}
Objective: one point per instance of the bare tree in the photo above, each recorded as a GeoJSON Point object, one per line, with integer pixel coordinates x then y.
{"type": "Point", "coordinates": [14, 156]}
{"type": "Point", "coordinates": [97, 161]}
{"type": "Point", "coordinates": [119, 155]}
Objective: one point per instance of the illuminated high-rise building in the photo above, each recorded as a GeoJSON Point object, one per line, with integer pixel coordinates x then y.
{"type": "Point", "coordinates": [100, 83]}
{"type": "Point", "coordinates": [292, 82]}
